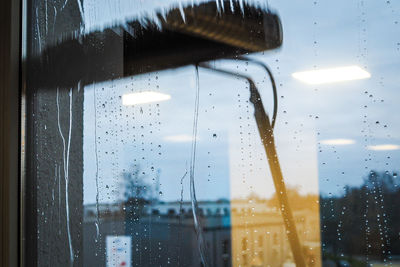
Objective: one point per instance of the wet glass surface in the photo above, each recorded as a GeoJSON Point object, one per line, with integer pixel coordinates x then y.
{"type": "Point", "coordinates": [155, 136]}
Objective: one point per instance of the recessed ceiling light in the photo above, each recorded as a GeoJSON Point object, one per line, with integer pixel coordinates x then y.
{"type": "Point", "coordinates": [332, 75]}
{"type": "Point", "coordinates": [143, 97]}
{"type": "Point", "coordinates": [338, 142]}
{"type": "Point", "coordinates": [384, 147]}
{"type": "Point", "coordinates": [180, 138]}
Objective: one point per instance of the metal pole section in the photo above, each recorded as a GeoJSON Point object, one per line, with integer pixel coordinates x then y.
{"type": "Point", "coordinates": [267, 137]}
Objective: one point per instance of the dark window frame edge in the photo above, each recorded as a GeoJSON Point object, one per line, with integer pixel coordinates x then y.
{"type": "Point", "coordinates": [10, 132]}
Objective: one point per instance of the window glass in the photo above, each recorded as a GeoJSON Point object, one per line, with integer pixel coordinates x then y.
{"type": "Point", "coordinates": [211, 133]}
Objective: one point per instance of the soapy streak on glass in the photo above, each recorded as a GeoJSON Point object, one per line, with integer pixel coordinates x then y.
{"type": "Point", "coordinates": [96, 17]}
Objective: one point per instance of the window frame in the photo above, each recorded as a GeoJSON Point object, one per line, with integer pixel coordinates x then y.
{"type": "Point", "coordinates": [10, 133]}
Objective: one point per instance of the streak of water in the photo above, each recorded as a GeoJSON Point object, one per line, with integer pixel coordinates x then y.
{"type": "Point", "coordinates": [59, 200]}
{"type": "Point", "coordinates": [46, 17]}
{"type": "Point", "coordinates": [80, 9]}
{"type": "Point", "coordinates": [197, 224]}
{"type": "Point", "coordinates": [97, 222]}
{"type": "Point", "coordinates": [55, 17]}
{"type": "Point", "coordinates": [241, 6]}
{"type": "Point", "coordinates": [181, 201]}
{"type": "Point", "coordinates": [181, 214]}
{"type": "Point", "coordinates": [182, 12]}
{"type": "Point", "coordinates": [231, 4]}
{"type": "Point", "coordinates": [65, 3]}
{"type": "Point", "coordinates": [39, 38]}
{"type": "Point", "coordinates": [66, 151]}
{"type": "Point", "coordinates": [67, 180]}
{"type": "Point", "coordinates": [54, 184]}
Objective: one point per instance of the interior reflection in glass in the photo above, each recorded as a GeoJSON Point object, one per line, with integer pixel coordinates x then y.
{"type": "Point", "coordinates": [181, 156]}
{"type": "Point", "coordinates": [184, 25]}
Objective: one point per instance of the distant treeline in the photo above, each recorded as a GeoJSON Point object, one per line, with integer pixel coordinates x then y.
{"type": "Point", "coordinates": [365, 221]}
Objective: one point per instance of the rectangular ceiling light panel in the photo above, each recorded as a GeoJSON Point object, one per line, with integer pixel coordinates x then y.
{"type": "Point", "coordinates": [143, 98]}
{"type": "Point", "coordinates": [333, 75]}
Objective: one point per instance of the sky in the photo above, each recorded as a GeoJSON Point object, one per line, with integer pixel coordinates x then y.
{"type": "Point", "coordinates": [230, 161]}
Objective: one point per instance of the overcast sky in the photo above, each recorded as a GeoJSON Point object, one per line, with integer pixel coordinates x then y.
{"type": "Point", "coordinates": [230, 160]}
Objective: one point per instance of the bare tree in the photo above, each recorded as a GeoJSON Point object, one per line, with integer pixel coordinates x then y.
{"type": "Point", "coordinates": [136, 192]}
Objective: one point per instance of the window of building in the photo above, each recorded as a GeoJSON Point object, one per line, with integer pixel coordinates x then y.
{"type": "Point", "coordinates": [275, 239]}
{"type": "Point", "coordinates": [260, 241]}
{"type": "Point", "coordinates": [244, 259]}
{"type": "Point", "coordinates": [244, 244]}
{"type": "Point", "coordinates": [225, 247]}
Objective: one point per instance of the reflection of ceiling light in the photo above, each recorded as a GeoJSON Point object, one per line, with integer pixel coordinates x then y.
{"type": "Point", "coordinates": [143, 97]}
{"type": "Point", "coordinates": [332, 75]}
{"type": "Point", "coordinates": [182, 138]}
{"type": "Point", "coordinates": [384, 147]}
{"type": "Point", "coordinates": [338, 142]}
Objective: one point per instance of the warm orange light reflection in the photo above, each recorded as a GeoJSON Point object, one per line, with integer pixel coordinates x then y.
{"type": "Point", "coordinates": [259, 236]}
